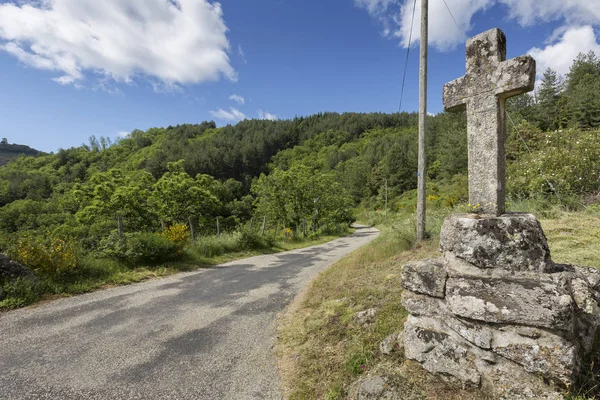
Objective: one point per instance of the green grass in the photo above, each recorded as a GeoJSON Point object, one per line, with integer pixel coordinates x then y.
{"type": "Point", "coordinates": [98, 273]}
{"type": "Point", "coordinates": [321, 349]}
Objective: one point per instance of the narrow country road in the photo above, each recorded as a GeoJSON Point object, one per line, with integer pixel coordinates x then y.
{"type": "Point", "coordinates": [206, 334]}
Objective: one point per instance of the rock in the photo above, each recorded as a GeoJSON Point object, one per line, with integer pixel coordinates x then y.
{"type": "Point", "coordinates": [506, 381]}
{"type": "Point", "coordinates": [539, 303]}
{"type": "Point", "coordinates": [444, 353]}
{"type": "Point", "coordinates": [365, 317]}
{"type": "Point", "coordinates": [481, 335]}
{"type": "Point", "coordinates": [10, 270]}
{"type": "Point", "coordinates": [421, 305]}
{"type": "Point", "coordinates": [441, 351]}
{"type": "Point", "coordinates": [545, 354]}
{"type": "Point", "coordinates": [514, 242]}
{"type": "Point", "coordinates": [426, 277]}
{"type": "Point", "coordinates": [383, 387]}
{"type": "Point", "coordinates": [389, 344]}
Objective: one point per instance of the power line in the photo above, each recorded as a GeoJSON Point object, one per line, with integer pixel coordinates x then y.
{"type": "Point", "coordinates": [453, 19]}
{"type": "Point", "coordinates": [407, 54]}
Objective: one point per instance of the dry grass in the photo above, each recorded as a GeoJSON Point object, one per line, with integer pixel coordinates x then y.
{"type": "Point", "coordinates": [574, 238]}
{"type": "Point", "coordinates": [321, 349]}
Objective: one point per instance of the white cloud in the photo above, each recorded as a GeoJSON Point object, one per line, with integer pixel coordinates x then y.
{"type": "Point", "coordinates": [232, 115]}
{"type": "Point", "coordinates": [560, 55]}
{"type": "Point", "coordinates": [238, 99]}
{"type": "Point", "coordinates": [396, 16]}
{"type": "Point", "coordinates": [266, 115]}
{"type": "Point", "coordinates": [528, 12]}
{"type": "Point", "coordinates": [174, 42]}
{"type": "Point", "coordinates": [123, 134]}
{"type": "Point", "coordinates": [242, 54]}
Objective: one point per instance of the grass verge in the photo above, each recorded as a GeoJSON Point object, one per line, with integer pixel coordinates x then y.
{"type": "Point", "coordinates": [99, 273]}
{"type": "Point", "coordinates": [320, 347]}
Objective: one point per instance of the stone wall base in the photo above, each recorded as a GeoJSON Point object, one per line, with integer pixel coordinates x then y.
{"type": "Point", "coordinates": [494, 312]}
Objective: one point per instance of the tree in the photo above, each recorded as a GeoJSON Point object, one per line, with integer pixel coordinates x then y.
{"type": "Point", "coordinates": [548, 96]}
{"type": "Point", "coordinates": [301, 193]}
{"type": "Point", "coordinates": [177, 196]}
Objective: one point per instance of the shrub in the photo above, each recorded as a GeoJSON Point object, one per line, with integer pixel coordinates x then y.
{"type": "Point", "coordinates": [251, 240]}
{"type": "Point", "coordinates": [139, 248]}
{"type": "Point", "coordinates": [213, 246]}
{"type": "Point", "coordinates": [20, 292]}
{"type": "Point", "coordinates": [47, 257]}
{"type": "Point", "coordinates": [178, 234]}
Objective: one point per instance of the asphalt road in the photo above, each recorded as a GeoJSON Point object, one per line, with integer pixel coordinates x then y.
{"type": "Point", "coordinates": [206, 334]}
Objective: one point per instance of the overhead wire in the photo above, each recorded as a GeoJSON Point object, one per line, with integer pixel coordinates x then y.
{"type": "Point", "coordinates": [407, 54]}
{"type": "Point", "coordinates": [453, 19]}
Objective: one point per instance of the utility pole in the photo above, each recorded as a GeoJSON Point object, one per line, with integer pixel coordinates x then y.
{"type": "Point", "coordinates": [421, 212]}
{"type": "Point", "coordinates": [386, 197]}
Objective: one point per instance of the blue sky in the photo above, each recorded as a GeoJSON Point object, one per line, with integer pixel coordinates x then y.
{"type": "Point", "coordinates": [76, 68]}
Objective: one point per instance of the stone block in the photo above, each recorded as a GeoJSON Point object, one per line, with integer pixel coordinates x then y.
{"type": "Point", "coordinates": [441, 351]}
{"type": "Point", "coordinates": [505, 380]}
{"type": "Point", "coordinates": [514, 242]}
{"type": "Point", "coordinates": [539, 303]}
{"type": "Point", "coordinates": [426, 277]}
{"type": "Point", "coordinates": [540, 352]}
{"type": "Point", "coordinates": [418, 304]}
{"type": "Point", "coordinates": [425, 306]}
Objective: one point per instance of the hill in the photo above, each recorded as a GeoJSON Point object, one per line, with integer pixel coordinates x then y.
{"type": "Point", "coordinates": [9, 152]}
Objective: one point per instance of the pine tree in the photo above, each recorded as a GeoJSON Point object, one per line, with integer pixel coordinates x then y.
{"type": "Point", "coordinates": [547, 97]}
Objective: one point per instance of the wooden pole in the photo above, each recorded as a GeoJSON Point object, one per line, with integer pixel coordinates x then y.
{"type": "Point", "coordinates": [218, 228]}
{"type": "Point", "coordinates": [421, 211]}
{"type": "Point", "coordinates": [192, 231]}
{"type": "Point", "coordinates": [120, 226]}
{"type": "Point", "coordinates": [386, 199]}
{"type": "Point", "coordinates": [264, 225]}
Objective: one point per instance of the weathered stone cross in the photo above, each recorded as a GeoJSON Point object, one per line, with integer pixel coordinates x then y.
{"type": "Point", "coordinates": [489, 81]}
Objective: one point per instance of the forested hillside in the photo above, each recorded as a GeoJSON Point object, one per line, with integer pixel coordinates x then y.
{"type": "Point", "coordinates": [127, 199]}
{"type": "Point", "coordinates": [11, 151]}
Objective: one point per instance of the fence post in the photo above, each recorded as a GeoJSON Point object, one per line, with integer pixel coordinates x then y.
{"type": "Point", "coordinates": [218, 228]}
{"type": "Point", "coordinates": [251, 222]}
{"type": "Point", "coordinates": [162, 225]}
{"type": "Point", "coordinates": [120, 226]}
{"type": "Point", "coordinates": [193, 232]}
{"type": "Point", "coordinates": [264, 225]}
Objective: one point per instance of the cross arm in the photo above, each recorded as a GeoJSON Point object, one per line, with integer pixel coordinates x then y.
{"type": "Point", "coordinates": [514, 76]}
{"type": "Point", "coordinates": [455, 95]}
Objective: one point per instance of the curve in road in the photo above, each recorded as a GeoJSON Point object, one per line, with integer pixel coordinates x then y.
{"type": "Point", "coordinates": [206, 334]}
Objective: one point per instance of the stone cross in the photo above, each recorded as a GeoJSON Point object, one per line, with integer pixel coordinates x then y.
{"type": "Point", "coordinates": [483, 91]}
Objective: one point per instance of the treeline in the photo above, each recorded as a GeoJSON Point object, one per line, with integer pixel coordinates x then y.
{"type": "Point", "coordinates": [564, 102]}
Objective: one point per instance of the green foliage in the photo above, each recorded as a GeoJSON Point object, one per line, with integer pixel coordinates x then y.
{"type": "Point", "coordinates": [139, 248]}
{"type": "Point", "coordinates": [47, 256]}
{"type": "Point", "coordinates": [177, 196]}
{"type": "Point", "coordinates": [249, 239]}
{"type": "Point", "coordinates": [20, 292]}
{"type": "Point", "coordinates": [302, 194]}
{"type": "Point", "coordinates": [566, 164]}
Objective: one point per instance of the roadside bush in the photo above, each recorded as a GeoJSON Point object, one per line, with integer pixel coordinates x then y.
{"type": "Point", "coordinates": [567, 164]}
{"type": "Point", "coordinates": [252, 240]}
{"type": "Point", "coordinates": [139, 248]}
{"type": "Point", "coordinates": [20, 292]}
{"type": "Point", "coordinates": [47, 257]}
{"type": "Point", "coordinates": [213, 246]}
{"type": "Point", "coordinates": [178, 234]}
